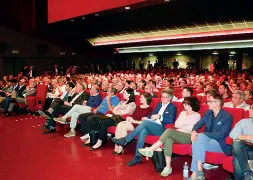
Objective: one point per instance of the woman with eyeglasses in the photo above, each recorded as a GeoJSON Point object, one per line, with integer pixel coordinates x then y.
{"type": "Point", "coordinates": [123, 127]}
{"type": "Point", "coordinates": [181, 135]}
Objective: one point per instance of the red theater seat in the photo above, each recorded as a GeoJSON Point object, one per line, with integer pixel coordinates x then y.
{"type": "Point", "coordinates": [102, 95]}
{"type": "Point", "coordinates": [228, 164]}
{"type": "Point", "coordinates": [249, 101]}
{"type": "Point", "coordinates": [154, 102]}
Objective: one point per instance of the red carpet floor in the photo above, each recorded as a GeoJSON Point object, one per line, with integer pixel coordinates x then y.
{"type": "Point", "coordinates": [26, 154]}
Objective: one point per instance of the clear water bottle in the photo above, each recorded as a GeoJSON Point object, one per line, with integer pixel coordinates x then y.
{"type": "Point", "coordinates": [186, 171]}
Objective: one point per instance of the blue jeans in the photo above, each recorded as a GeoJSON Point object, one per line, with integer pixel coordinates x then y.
{"type": "Point", "coordinates": [147, 127]}
{"type": "Point", "coordinates": [6, 103]}
{"type": "Point", "coordinates": [199, 148]}
{"type": "Point", "coordinates": [242, 154]}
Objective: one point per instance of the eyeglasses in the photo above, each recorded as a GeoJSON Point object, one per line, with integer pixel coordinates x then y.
{"type": "Point", "coordinates": [210, 102]}
{"type": "Point", "coordinates": [164, 97]}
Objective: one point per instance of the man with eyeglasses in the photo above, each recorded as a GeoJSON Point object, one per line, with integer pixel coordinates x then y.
{"type": "Point", "coordinates": [242, 152]}
{"type": "Point", "coordinates": [217, 127]}
{"type": "Point", "coordinates": [164, 113]}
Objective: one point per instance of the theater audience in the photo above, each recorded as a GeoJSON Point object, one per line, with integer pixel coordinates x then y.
{"type": "Point", "coordinates": [149, 89]}
{"type": "Point", "coordinates": [154, 124]}
{"type": "Point", "coordinates": [182, 135]}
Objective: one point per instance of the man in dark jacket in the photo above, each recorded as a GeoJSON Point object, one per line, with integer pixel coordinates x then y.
{"type": "Point", "coordinates": [217, 127]}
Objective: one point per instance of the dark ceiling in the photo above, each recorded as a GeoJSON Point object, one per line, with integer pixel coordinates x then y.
{"type": "Point", "coordinates": [174, 13]}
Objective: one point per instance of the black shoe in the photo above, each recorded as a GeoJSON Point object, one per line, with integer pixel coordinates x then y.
{"type": "Point", "coordinates": [44, 127]}
{"type": "Point", "coordinates": [134, 161]}
{"type": "Point", "coordinates": [85, 144]}
{"type": "Point", "coordinates": [4, 112]}
{"type": "Point", "coordinates": [248, 175]}
{"type": "Point", "coordinates": [45, 114]}
{"type": "Point", "coordinates": [8, 114]}
{"type": "Point", "coordinates": [50, 130]}
{"type": "Point", "coordinates": [121, 141]}
{"type": "Point", "coordinates": [93, 149]}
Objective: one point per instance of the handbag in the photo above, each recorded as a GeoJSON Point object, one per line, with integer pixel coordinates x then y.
{"type": "Point", "coordinates": [158, 160]}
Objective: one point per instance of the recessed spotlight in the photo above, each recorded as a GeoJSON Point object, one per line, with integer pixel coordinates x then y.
{"type": "Point", "coordinates": [96, 14]}
{"type": "Point", "coordinates": [83, 17]}
{"type": "Point", "coordinates": [232, 52]}
{"type": "Point", "coordinates": [72, 20]}
{"type": "Point", "coordinates": [215, 53]}
{"type": "Point", "coordinates": [178, 54]}
{"type": "Point", "coordinates": [166, 0]}
{"type": "Point", "coordinates": [231, 55]}
{"type": "Point", "coordinates": [127, 7]}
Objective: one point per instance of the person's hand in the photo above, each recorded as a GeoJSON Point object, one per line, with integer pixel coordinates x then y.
{"type": "Point", "coordinates": [95, 110]}
{"type": "Point", "coordinates": [144, 118]}
{"type": "Point", "coordinates": [155, 117]}
{"type": "Point", "coordinates": [250, 138]}
{"type": "Point", "coordinates": [66, 103]}
{"type": "Point", "coordinates": [108, 97]}
{"type": "Point", "coordinates": [84, 103]}
{"type": "Point", "coordinates": [130, 119]}
{"type": "Point", "coordinates": [194, 136]}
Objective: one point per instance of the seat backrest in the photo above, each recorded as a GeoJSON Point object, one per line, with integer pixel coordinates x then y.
{"type": "Point", "coordinates": [246, 114]}
{"type": "Point", "coordinates": [158, 94]}
{"type": "Point", "coordinates": [203, 99]}
{"type": "Point", "coordinates": [41, 92]}
{"type": "Point", "coordinates": [203, 109]}
{"type": "Point", "coordinates": [237, 114]}
{"type": "Point", "coordinates": [102, 95]}
{"type": "Point", "coordinates": [120, 96]}
{"type": "Point", "coordinates": [199, 98]}
{"type": "Point", "coordinates": [249, 102]}
{"type": "Point", "coordinates": [154, 102]}
{"type": "Point", "coordinates": [137, 100]}
{"type": "Point", "coordinates": [179, 106]}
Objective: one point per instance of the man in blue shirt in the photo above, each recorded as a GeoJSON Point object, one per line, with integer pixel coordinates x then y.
{"type": "Point", "coordinates": [218, 123]}
{"type": "Point", "coordinates": [243, 131]}
{"type": "Point", "coordinates": [108, 103]}
{"type": "Point", "coordinates": [164, 113]}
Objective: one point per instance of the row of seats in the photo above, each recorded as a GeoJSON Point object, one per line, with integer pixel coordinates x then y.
{"type": "Point", "coordinates": [185, 149]}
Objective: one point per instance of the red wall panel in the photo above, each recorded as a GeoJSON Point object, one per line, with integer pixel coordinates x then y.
{"type": "Point", "coordinates": [65, 9]}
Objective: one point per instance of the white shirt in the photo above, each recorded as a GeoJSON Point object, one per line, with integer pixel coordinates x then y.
{"type": "Point", "coordinates": [136, 92]}
{"type": "Point", "coordinates": [161, 111]}
{"type": "Point", "coordinates": [243, 105]}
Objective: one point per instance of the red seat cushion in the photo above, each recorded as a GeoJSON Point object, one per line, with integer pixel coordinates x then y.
{"type": "Point", "coordinates": [111, 129]}
{"type": "Point", "coordinates": [151, 139]}
{"type": "Point", "coordinates": [228, 164]}
{"type": "Point", "coordinates": [181, 149]}
{"type": "Point", "coordinates": [154, 102]}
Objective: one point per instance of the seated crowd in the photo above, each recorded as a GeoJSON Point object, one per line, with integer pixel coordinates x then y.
{"type": "Point", "coordinates": [140, 105]}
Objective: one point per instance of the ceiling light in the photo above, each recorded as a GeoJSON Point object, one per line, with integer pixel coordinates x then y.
{"type": "Point", "coordinates": [83, 18]}
{"type": "Point", "coordinates": [215, 53]}
{"type": "Point", "coordinates": [72, 20]}
{"type": "Point", "coordinates": [150, 54]}
{"type": "Point", "coordinates": [166, 0]}
{"type": "Point", "coordinates": [127, 7]}
{"type": "Point", "coordinates": [231, 55]}
{"type": "Point", "coordinates": [232, 52]}
{"type": "Point", "coordinates": [96, 14]}
{"type": "Point", "coordinates": [178, 54]}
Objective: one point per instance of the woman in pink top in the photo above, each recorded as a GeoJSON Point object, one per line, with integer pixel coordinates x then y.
{"type": "Point", "coordinates": [181, 135]}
